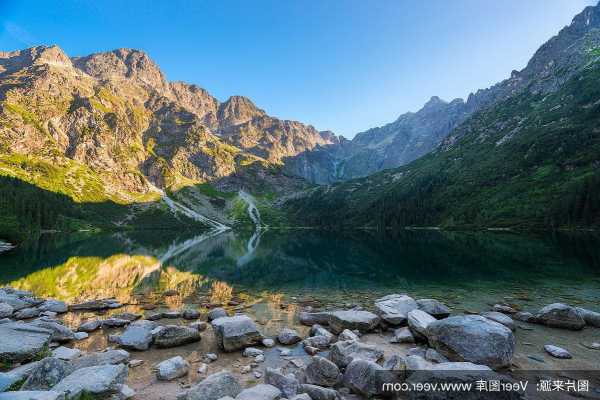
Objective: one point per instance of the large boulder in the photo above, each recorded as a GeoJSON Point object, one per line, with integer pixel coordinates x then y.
{"type": "Point", "coordinates": [110, 357]}
{"type": "Point", "coordinates": [214, 387]}
{"type": "Point", "coordinates": [343, 353]}
{"type": "Point", "coordinates": [363, 321]}
{"type": "Point", "coordinates": [288, 336]}
{"type": "Point", "coordinates": [60, 333]}
{"type": "Point", "coordinates": [319, 393]}
{"type": "Point", "coordinates": [287, 383]}
{"type": "Point", "coordinates": [434, 308]}
{"type": "Point", "coordinates": [22, 342]}
{"type": "Point", "coordinates": [138, 335]}
{"type": "Point", "coordinates": [260, 392]}
{"type": "Point", "coordinates": [175, 335]}
{"type": "Point", "coordinates": [32, 395]}
{"type": "Point", "coordinates": [19, 374]}
{"type": "Point", "coordinates": [216, 313]}
{"type": "Point", "coordinates": [234, 333]}
{"type": "Point", "coordinates": [591, 318]}
{"type": "Point", "coordinates": [322, 372]}
{"type": "Point", "coordinates": [27, 313]}
{"type": "Point", "coordinates": [47, 374]}
{"type": "Point", "coordinates": [394, 308]}
{"type": "Point", "coordinates": [472, 338]}
{"type": "Point", "coordinates": [172, 368]}
{"type": "Point", "coordinates": [367, 378]}
{"type": "Point", "coordinates": [103, 380]}
{"type": "Point", "coordinates": [418, 321]}
{"type": "Point", "coordinates": [6, 310]}
{"type": "Point", "coordinates": [458, 373]}
{"type": "Point", "coordinates": [558, 315]}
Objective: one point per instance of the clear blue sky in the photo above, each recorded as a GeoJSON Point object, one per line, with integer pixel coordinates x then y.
{"type": "Point", "coordinates": [341, 65]}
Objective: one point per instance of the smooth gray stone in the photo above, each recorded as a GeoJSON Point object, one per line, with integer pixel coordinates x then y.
{"type": "Point", "coordinates": [558, 315]}
{"type": "Point", "coordinates": [172, 368]}
{"type": "Point", "coordinates": [22, 342]}
{"type": "Point", "coordinates": [56, 306]}
{"type": "Point", "coordinates": [110, 357]}
{"type": "Point", "coordinates": [363, 321]}
{"type": "Point", "coordinates": [216, 313]}
{"type": "Point", "coordinates": [138, 335]}
{"type": "Point", "coordinates": [235, 333]}
{"type": "Point", "coordinates": [343, 353]}
{"type": "Point", "coordinates": [591, 318]}
{"type": "Point", "coordinates": [260, 392]}
{"type": "Point", "coordinates": [500, 318]}
{"type": "Point", "coordinates": [102, 380]}
{"type": "Point", "coordinates": [394, 308]}
{"type": "Point", "coordinates": [418, 321]}
{"type": "Point", "coordinates": [214, 387]}
{"type": "Point", "coordinates": [557, 352]}
{"type": "Point", "coordinates": [312, 318]}
{"type": "Point", "coordinates": [434, 308]}
{"type": "Point", "coordinates": [176, 335]}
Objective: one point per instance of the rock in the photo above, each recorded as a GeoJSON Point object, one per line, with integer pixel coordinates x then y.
{"type": "Point", "coordinates": [27, 313]}
{"type": "Point", "coordinates": [115, 322]}
{"type": "Point", "coordinates": [268, 343]}
{"type": "Point", "coordinates": [22, 342]}
{"type": "Point", "coordinates": [172, 368]}
{"type": "Point", "coordinates": [363, 321]}
{"type": "Point", "coordinates": [500, 318]}
{"type": "Point", "coordinates": [32, 395]}
{"type": "Point", "coordinates": [472, 338]}
{"type": "Point", "coordinates": [524, 316]}
{"type": "Point", "coordinates": [96, 305]}
{"type": "Point", "coordinates": [210, 357]}
{"type": "Point", "coordinates": [397, 364]}
{"type": "Point", "coordinates": [47, 374]}
{"type": "Point", "coordinates": [190, 314]}
{"type": "Point", "coordinates": [252, 352]}
{"type": "Point", "coordinates": [110, 357]}
{"type": "Point", "coordinates": [317, 342]}
{"type": "Point", "coordinates": [14, 301]}
{"type": "Point", "coordinates": [310, 319]}
{"type": "Point", "coordinates": [343, 353]}
{"type": "Point", "coordinates": [288, 336]}
{"type": "Point", "coordinates": [322, 372]}
{"type": "Point", "coordinates": [81, 335]}
{"type": "Point", "coordinates": [200, 326]}
{"type": "Point", "coordinates": [394, 308]}
{"type": "Point", "coordinates": [246, 369]}
{"type": "Point", "coordinates": [318, 393]}
{"type": "Point", "coordinates": [260, 392]}
{"type": "Point", "coordinates": [367, 378]}
{"type": "Point", "coordinates": [127, 316]}
{"type": "Point", "coordinates": [558, 315]}
{"type": "Point", "coordinates": [6, 310]}
{"type": "Point", "coordinates": [171, 314]}
{"type": "Point", "coordinates": [125, 392]}
{"type": "Point", "coordinates": [416, 351]}
{"type": "Point", "coordinates": [214, 387]}
{"type": "Point", "coordinates": [138, 335]}
{"type": "Point", "coordinates": [592, 346]}
{"type": "Point", "coordinates": [288, 383]}
{"type": "Point", "coordinates": [403, 335]}
{"type": "Point", "coordinates": [175, 335]}
{"type": "Point", "coordinates": [311, 350]}
{"type": "Point", "coordinates": [90, 326]}
{"type": "Point", "coordinates": [434, 308]}
{"type": "Point", "coordinates": [19, 374]}
{"type": "Point", "coordinates": [216, 313]}
{"type": "Point", "coordinates": [504, 309]}
{"type": "Point", "coordinates": [318, 330]}
{"type": "Point", "coordinates": [347, 334]}
{"type": "Point", "coordinates": [302, 396]}
{"type": "Point", "coordinates": [418, 321]}
{"type": "Point", "coordinates": [60, 333]}
{"type": "Point", "coordinates": [154, 316]}
{"type": "Point", "coordinates": [103, 380]}
{"type": "Point", "coordinates": [56, 306]}
{"type": "Point", "coordinates": [557, 352]}
{"type": "Point", "coordinates": [234, 333]}
{"type": "Point", "coordinates": [591, 318]}
{"type": "Point", "coordinates": [284, 352]}
{"type": "Point", "coordinates": [66, 353]}
{"type": "Point", "coordinates": [135, 363]}
{"type": "Point", "coordinates": [435, 357]}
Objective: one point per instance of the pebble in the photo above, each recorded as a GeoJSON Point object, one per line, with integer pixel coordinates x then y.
{"type": "Point", "coordinates": [202, 368]}
{"type": "Point", "coordinates": [258, 374]}
{"type": "Point", "coordinates": [135, 363]}
{"type": "Point", "coordinates": [246, 369]}
{"type": "Point", "coordinates": [210, 357]}
{"type": "Point", "coordinates": [259, 358]}
{"type": "Point", "coordinates": [268, 343]}
{"type": "Point", "coordinates": [557, 352]}
{"type": "Point", "coordinates": [81, 335]}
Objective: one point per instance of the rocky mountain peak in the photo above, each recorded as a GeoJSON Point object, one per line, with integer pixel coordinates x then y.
{"type": "Point", "coordinates": [123, 63]}
{"type": "Point", "coordinates": [237, 110]}
{"type": "Point", "coordinates": [39, 55]}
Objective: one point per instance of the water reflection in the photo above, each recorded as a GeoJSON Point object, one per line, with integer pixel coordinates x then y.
{"type": "Point", "coordinates": [135, 267]}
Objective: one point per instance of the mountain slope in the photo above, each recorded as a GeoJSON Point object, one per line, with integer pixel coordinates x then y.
{"type": "Point", "coordinates": [531, 159]}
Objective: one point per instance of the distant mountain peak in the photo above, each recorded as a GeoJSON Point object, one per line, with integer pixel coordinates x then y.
{"type": "Point", "coordinates": [237, 110]}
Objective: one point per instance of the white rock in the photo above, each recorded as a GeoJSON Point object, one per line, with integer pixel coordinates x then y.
{"type": "Point", "coordinates": [557, 352]}
{"type": "Point", "coordinates": [66, 353]}
{"type": "Point", "coordinates": [172, 368]}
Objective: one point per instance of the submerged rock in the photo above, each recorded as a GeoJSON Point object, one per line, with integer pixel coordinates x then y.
{"type": "Point", "coordinates": [235, 333]}
{"type": "Point", "coordinates": [474, 339]}
{"type": "Point", "coordinates": [363, 321]}
{"type": "Point", "coordinates": [172, 368]}
{"type": "Point", "coordinates": [591, 318]}
{"type": "Point", "coordinates": [434, 308]}
{"type": "Point", "coordinates": [524, 316]}
{"type": "Point", "coordinates": [176, 335]}
{"type": "Point", "coordinates": [394, 308]}
{"type": "Point", "coordinates": [558, 315]}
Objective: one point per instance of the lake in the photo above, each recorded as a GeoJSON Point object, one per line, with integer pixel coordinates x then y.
{"type": "Point", "coordinates": [464, 269]}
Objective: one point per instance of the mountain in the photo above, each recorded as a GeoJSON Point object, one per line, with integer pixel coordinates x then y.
{"type": "Point", "coordinates": [110, 128]}
{"type": "Point", "coordinates": [527, 156]}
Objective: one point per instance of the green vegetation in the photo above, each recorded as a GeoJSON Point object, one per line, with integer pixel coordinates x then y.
{"type": "Point", "coordinates": [531, 161]}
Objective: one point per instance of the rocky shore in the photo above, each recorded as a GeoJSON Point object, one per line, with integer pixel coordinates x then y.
{"type": "Point", "coordinates": [219, 355]}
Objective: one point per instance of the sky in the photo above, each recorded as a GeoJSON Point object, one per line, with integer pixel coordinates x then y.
{"type": "Point", "coordinates": [340, 65]}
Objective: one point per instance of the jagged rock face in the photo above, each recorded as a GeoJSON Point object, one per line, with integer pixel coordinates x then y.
{"type": "Point", "coordinates": [114, 116]}
{"type": "Point", "coordinates": [413, 135]}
